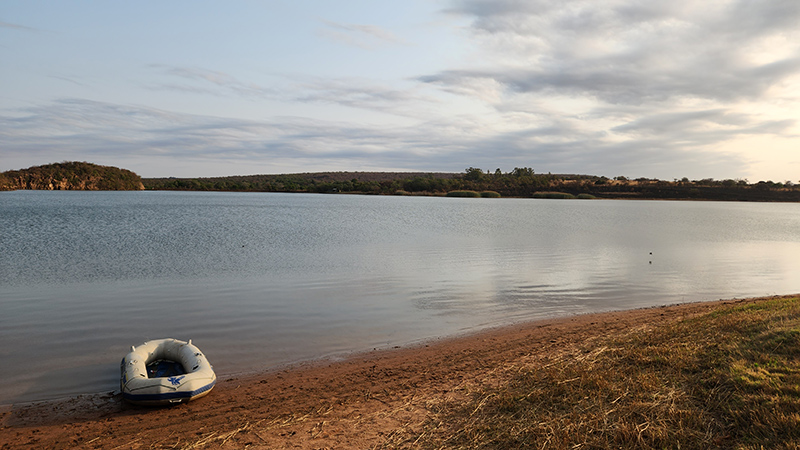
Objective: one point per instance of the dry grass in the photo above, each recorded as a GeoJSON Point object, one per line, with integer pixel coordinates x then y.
{"type": "Point", "coordinates": [728, 379]}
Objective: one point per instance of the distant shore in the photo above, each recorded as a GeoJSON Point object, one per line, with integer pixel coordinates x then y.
{"type": "Point", "coordinates": [520, 183]}
{"type": "Point", "coordinates": [372, 400]}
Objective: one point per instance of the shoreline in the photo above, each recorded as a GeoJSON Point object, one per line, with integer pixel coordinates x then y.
{"type": "Point", "coordinates": [359, 402]}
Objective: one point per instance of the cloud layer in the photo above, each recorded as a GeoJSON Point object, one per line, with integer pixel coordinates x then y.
{"type": "Point", "coordinates": [629, 52]}
{"type": "Point", "coordinates": [625, 87]}
{"type": "Point", "coordinates": [143, 138]}
{"type": "Point", "coordinates": [680, 77]}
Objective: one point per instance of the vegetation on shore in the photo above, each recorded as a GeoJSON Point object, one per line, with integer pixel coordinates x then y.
{"type": "Point", "coordinates": [521, 182]}
{"type": "Point", "coordinates": [71, 176]}
{"type": "Point", "coordinates": [474, 194]}
{"type": "Point", "coordinates": [726, 379]}
{"type": "Point", "coordinates": [473, 182]}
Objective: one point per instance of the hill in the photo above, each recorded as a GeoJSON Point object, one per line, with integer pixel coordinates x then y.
{"type": "Point", "coordinates": [71, 176]}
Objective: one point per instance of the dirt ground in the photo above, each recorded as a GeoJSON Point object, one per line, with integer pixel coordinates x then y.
{"type": "Point", "coordinates": [380, 399]}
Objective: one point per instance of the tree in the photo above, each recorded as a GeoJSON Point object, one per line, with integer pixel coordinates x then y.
{"type": "Point", "coordinates": [473, 174]}
{"type": "Point", "coordinates": [522, 172]}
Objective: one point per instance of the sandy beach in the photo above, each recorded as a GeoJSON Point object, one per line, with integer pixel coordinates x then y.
{"type": "Point", "coordinates": [371, 400]}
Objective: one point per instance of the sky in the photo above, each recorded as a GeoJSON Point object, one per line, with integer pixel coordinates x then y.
{"type": "Point", "coordinates": [634, 88]}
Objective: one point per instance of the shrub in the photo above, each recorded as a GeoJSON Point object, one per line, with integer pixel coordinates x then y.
{"type": "Point", "coordinates": [586, 196]}
{"type": "Point", "coordinates": [562, 195]}
{"type": "Point", "coordinates": [490, 194]}
{"type": "Point", "coordinates": [463, 194]}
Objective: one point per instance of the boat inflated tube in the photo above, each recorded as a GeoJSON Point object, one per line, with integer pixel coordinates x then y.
{"type": "Point", "coordinates": [196, 380]}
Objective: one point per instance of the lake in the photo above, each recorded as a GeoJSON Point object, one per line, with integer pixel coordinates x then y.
{"type": "Point", "coordinates": [260, 280]}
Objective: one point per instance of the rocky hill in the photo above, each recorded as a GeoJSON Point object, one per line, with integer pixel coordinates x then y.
{"type": "Point", "coordinates": [71, 176]}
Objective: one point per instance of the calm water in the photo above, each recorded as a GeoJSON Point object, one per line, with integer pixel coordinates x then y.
{"type": "Point", "coordinates": [259, 280]}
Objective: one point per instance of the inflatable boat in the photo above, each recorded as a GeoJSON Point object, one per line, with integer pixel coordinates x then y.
{"type": "Point", "coordinates": [165, 371]}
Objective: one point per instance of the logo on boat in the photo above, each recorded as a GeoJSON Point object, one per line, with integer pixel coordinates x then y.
{"type": "Point", "coordinates": [176, 380]}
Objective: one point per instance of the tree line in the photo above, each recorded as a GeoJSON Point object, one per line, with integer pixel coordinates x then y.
{"type": "Point", "coordinates": [519, 182]}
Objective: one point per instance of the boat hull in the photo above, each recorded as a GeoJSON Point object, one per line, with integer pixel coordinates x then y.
{"type": "Point", "coordinates": [140, 389]}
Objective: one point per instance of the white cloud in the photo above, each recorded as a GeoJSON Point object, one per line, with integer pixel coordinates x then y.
{"type": "Point", "coordinates": [632, 52]}
{"type": "Point", "coordinates": [634, 78]}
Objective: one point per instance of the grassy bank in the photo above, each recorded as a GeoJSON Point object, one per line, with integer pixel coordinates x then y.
{"type": "Point", "coordinates": [726, 379]}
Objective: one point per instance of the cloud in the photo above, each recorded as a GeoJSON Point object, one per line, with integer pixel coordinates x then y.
{"type": "Point", "coordinates": [362, 94]}
{"type": "Point", "coordinates": [619, 81]}
{"type": "Point", "coordinates": [68, 79]}
{"type": "Point", "coordinates": [632, 52]}
{"type": "Point", "coordinates": [203, 81]}
{"type": "Point", "coordinates": [73, 126]}
{"type": "Point", "coordinates": [15, 26]}
{"type": "Point", "coordinates": [710, 125]}
{"type": "Point", "coordinates": [351, 92]}
{"type": "Point", "coordinates": [631, 83]}
{"type": "Point", "coordinates": [160, 143]}
{"type": "Point", "coordinates": [626, 87]}
{"type": "Point", "coordinates": [367, 37]}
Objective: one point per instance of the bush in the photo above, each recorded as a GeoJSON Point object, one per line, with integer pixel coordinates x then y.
{"type": "Point", "coordinates": [463, 194]}
{"type": "Point", "coordinates": [586, 196]}
{"type": "Point", "coordinates": [490, 194]}
{"type": "Point", "coordinates": [562, 195]}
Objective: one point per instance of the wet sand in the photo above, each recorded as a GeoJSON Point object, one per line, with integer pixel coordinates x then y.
{"type": "Point", "coordinates": [378, 399]}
